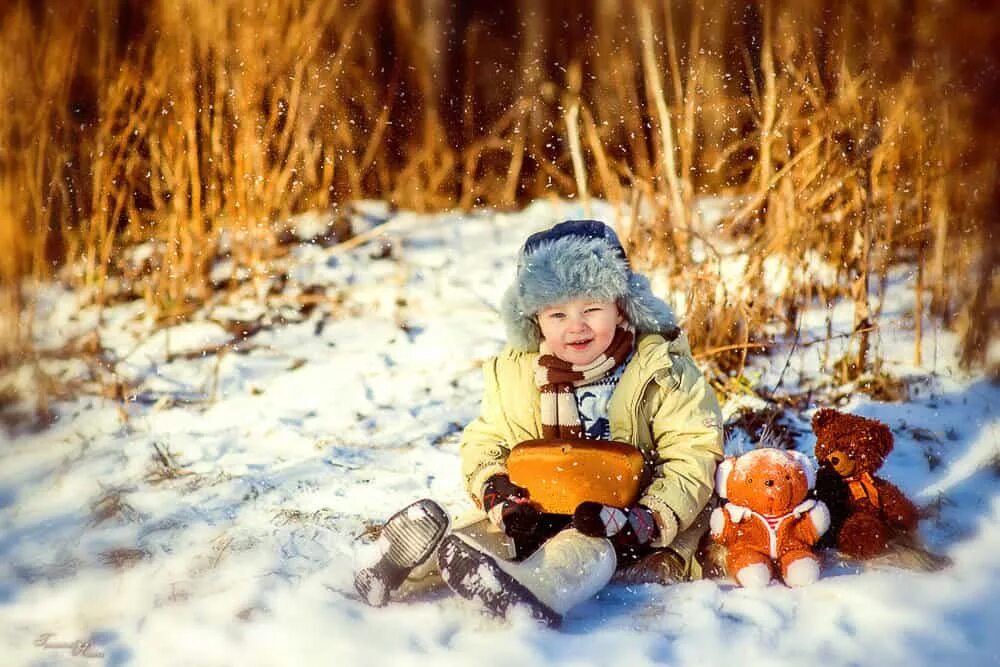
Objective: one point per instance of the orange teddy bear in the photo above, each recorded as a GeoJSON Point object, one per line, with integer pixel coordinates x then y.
{"type": "Point", "coordinates": [769, 521]}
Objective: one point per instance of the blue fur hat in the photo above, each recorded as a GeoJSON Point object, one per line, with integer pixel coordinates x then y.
{"type": "Point", "coordinates": [578, 258]}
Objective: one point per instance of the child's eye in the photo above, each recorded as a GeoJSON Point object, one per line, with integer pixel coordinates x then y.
{"type": "Point", "coordinates": [594, 309]}
{"type": "Point", "coordinates": [557, 316]}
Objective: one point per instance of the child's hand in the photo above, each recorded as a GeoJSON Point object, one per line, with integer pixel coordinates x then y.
{"type": "Point", "coordinates": [507, 505]}
{"type": "Point", "coordinates": [599, 520]}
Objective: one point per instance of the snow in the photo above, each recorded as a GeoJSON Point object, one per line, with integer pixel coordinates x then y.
{"type": "Point", "coordinates": [216, 517]}
{"type": "Point", "coordinates": [767, 456]}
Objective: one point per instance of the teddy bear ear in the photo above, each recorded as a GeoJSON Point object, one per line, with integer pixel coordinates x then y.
{"type": "Point", "coordinates": [884, 436]}
{"type": "Point", "coordinates": [823, 417]}
{"type": "Point", "coordinates": [807, 466]}
{"type": "Point", "coordinates": [722, 475]}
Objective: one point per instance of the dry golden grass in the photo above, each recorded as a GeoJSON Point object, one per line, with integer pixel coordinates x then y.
{"type": "Point", "coordinates": [847, 129]}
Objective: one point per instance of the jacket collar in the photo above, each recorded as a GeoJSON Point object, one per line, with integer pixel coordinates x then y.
{"type": "Point", "coordinates": [653, 355]}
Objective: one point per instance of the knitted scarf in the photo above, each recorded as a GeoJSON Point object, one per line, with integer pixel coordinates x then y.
{"type": "Point", "coordinates": [556, 380]}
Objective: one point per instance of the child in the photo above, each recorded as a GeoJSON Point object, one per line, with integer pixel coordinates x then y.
{"type": "Point", "coordinates": [591, 353]}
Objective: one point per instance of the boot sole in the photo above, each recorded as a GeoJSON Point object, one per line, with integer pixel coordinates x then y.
{"type": "Point", "coordinates": [476, 576]}
{"type": "Point", "coordinates": [408, 539]}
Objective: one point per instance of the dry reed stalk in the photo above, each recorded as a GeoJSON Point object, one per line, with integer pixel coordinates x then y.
{"type": "Point", "coordinates": [769, 102]}
{"type": "Point", "coordinates": [611, 185]}
{"type": "Point", "coordinates": [218, 121]}
{"type": "Point", "coordinates": [678, 211]}
{"type": "Point", "coordinates": [672, 60]}
{"type": "Point", "coordinates": [686, 139]}
{"type": "Point", "coordinates": [754, 203]}
{"type": "Point", "coordinates": [941, 221]}
{"type": "Point", "coordinates": [579, 170]}
{"type": "Point", "coordinates": [493, 139]}
{"type": "Point", "coordinates": [918, 313]}
{"type": "Point", "coordinates": [683, 91]}
{"type": "Point", "coordinates": [627, 90]}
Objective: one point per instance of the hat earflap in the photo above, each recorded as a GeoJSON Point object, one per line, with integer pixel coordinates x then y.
{"type": "Point", "coordinates": [646, 311]}
{"type": "Point", "coordinates": [522, 329]}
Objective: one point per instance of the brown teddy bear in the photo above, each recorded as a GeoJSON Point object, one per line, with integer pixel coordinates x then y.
{"type": "Point", "coordinates": [867, 512]}
{"type": "Point", "coordinates": [769, 520]}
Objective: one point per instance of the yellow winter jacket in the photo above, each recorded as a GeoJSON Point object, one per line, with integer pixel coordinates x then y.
{"type": "Point", "coordinates": [663, 405]}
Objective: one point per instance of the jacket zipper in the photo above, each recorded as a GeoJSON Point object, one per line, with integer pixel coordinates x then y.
{"type": "Point", "coordinates": [635, 407]}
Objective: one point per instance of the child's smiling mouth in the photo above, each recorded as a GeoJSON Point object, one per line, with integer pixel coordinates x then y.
{"type": "Point", "coordinates": [580, 344]}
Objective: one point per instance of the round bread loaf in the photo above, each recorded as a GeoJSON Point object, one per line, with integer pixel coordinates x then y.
{"type": "Point", "coordinates": [559, 474]}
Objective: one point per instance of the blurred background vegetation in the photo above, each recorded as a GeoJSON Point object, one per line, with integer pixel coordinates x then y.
{"type": "Point", "coordinates": [863, 133]}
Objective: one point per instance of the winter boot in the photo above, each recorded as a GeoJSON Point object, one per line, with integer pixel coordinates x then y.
{"type": "Point", "coordinates": [407, 540]}
{"type": "Point", "coordinates": [566, 570]}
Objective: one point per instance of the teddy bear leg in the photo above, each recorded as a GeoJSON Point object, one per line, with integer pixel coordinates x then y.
{"type": "Point", "coordinates": [799, 568]}
{"type": "Point", "coordinates": [863, 535]}
{"type": "Point", "coordinates": [752, 569]}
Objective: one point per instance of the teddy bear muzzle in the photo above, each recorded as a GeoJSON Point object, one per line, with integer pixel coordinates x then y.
{"type": "Point", "coordinates": [842, 462]}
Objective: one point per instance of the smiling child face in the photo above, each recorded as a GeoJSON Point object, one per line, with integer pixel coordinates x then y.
{"type": "Point", "coordinates": [580, 330]}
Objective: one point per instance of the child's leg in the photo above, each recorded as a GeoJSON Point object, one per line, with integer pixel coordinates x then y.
{"type": "Point", "coordinates": [566, 570]}
{"type": "Point", "coordinates": [688, 541]}
{"type": "Point", "coordinates": [476, 526]}
{"type": "Point", "coordinates": [672, 564]}
{"type": "Point", "coordinates": [473, 525]}
{"type": "Point", "coordinates": [403, 560]}
{"type": "Point", "coordinates": [660, 566]}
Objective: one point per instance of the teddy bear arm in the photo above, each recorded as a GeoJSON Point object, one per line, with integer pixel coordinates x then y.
{"type": "Point", "coordinates": [721, 526]}
{"type": "Point", "coordinates": [810, 525]}
{"type": "Point", "coordinates": [818, 520]}
{"type": "Point", "coordinates": [896, 507]}
{"type": "Point", "coordinates": [804, 532]}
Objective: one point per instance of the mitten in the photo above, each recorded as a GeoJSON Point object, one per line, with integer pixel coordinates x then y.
{"type": "Point", "coordinates": [507, 505]}
{"type": "Point", "coordinates": [635, 525]}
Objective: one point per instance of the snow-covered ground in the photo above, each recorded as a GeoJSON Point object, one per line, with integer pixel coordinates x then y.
{"type": "Point", "coordinates": [214, 519]}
